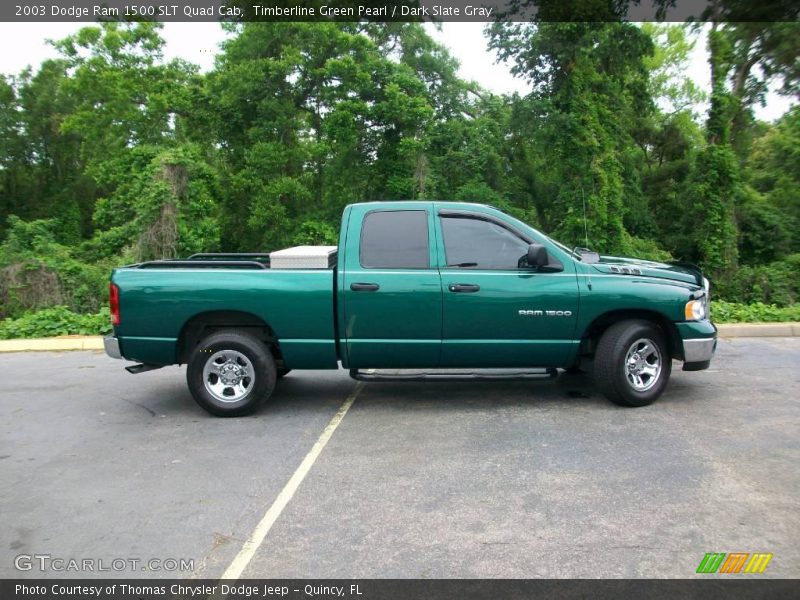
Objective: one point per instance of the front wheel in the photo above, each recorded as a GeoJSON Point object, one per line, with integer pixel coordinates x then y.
{"type": "Point", "coordinates": [230, 372]}
{"type": "Point", "coordinates": [632, 363]}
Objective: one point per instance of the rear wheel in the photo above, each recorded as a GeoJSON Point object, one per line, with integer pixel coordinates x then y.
{"type": "Point", "coordinates": [230, 372]}
{"type": "Point", "coordinates": [632, 363]}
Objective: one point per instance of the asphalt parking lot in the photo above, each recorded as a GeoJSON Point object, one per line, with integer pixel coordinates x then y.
{"type": "Point", "coordinates": [419, 480]}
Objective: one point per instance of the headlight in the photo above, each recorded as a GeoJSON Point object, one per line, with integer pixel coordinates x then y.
{"type": "Point", "coordinates": [695, 310]}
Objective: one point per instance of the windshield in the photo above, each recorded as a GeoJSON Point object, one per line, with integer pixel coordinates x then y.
{"type": "Point", "coordinates": [571, 251]}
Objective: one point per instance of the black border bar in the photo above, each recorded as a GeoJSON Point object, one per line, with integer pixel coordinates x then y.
{"type": "Point", "coordinates": [711, 588]}
{"type": "Point", "coordinates": [398, 10]}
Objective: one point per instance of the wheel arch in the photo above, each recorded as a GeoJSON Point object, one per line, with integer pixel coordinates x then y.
{"type": "Point", "coordinates": [601, 323]}
{"type": "Point", "coordinates": [202, 324]}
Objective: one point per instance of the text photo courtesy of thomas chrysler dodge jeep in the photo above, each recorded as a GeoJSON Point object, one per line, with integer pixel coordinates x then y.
{"type": "Point", "coordinates": [411, 285]}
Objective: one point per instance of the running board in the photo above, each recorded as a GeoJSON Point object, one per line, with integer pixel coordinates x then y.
{"type": "Point", "coordinates": [136, 369]}
{"type": "Point", "coordinates": [370, 375]}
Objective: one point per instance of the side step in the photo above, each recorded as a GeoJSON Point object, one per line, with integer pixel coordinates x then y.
{"type": "Point", "coordinates": [487, 375]}
{"type": "Point", "coordinates": [141, 368]}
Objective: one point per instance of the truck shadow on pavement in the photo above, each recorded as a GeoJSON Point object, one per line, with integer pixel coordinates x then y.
{"type": "Point", "coordinates": [298, 393]}
{"type": "Point", "coordinates": [310, 392]}
{"type": "Point", "coordinates": [466, 395]}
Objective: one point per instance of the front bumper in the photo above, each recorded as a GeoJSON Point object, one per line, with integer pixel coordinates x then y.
{"type": "Point", "coordinates": [111, 345]}
{"type": "Point", "coordinates": [699, 350]}
{"type": "Point", "coordinates": [699, 341]}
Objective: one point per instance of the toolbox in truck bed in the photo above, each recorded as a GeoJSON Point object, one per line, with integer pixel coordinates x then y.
{"type": "Point", "coordinates": [303, 257]}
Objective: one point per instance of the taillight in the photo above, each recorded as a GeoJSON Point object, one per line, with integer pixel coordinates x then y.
{"type": "Point", "coordinates": [113, 303]}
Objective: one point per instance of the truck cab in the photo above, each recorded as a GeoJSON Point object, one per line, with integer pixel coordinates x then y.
{"type": "Point", "coordinates": [449, 285]}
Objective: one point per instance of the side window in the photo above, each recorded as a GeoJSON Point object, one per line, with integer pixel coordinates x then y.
{"type": "Point", "coordinates": [395, 239]}
{"type": "Point", "coordinates": [478, 244]}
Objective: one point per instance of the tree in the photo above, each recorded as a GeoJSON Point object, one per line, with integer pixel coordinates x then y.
{"type": "Point", "coordinates": [589, 91]}
{"type": "Point", "coordinates": [316, 116]}
{"type": "Point", "coordinates": [770, 214]}
{"type": "Point", "coordinates": [12, 152]}
{"type": "Point", "coordinates": [744, 57]}
{"type": "Point", "coordinates": [126, 116]}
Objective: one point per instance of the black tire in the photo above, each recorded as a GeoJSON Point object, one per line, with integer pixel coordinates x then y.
{"type": "Point", "coordinates": [283, 372]}
{"type": "Point", "coordinates": [246, 361]}
{"type": "Point", "coordinates": [645, 379]}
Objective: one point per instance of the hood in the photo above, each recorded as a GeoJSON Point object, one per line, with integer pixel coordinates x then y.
{"type": "Point", "coordinates": [675, 271]}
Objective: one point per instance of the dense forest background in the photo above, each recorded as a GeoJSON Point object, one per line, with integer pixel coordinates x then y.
{"type": "Point", "coordinates": [110, 155]}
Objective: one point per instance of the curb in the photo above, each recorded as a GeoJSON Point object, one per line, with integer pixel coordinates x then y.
{"type": "Point", "coordinates": [72, 342]}
{"type": "Point", "coordinates": [92, 342]}
{"type": "Point", "coordinates": [730, 330]}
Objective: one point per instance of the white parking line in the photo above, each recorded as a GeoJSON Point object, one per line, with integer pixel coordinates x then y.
{"type": "Point", "coordinates": [251, 545]}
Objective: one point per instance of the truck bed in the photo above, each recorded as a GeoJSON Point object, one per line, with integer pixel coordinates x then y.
{"type": "Point", "coordinates": [158, 299]}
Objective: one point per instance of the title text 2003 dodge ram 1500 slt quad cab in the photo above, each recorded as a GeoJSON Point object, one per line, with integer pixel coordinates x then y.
{"type": "Point", "coordinates": [415, 285]}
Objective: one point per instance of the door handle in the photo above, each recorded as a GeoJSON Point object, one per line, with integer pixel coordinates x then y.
{"type": "Point", "coordinates": [365, 287]}
{"type": "Point", "coordinates": [464, 287]}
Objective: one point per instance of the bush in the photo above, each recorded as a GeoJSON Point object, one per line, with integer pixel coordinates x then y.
{"type": "Point", "coordinates": [645, 249]}
{"type": "Point", "coordinates": [37, 272]}
{"type": "Point", "coordinates": [774, 283]}
{"type": "Point", "coordinates": [58, 320]}
{"type": "Point", "coordinates": [765, 230]}
{"type": "Point", "coordinates": [315, 233]}
{"type": "Point", "coordinates": [758, 312]}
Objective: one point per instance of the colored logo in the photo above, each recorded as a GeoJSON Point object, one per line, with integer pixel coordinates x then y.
{"type": "Point", "coordinates": [734, 562]}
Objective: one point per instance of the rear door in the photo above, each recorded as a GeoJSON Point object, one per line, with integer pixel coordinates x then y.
{"type": "Point", "coordinates": [391, 288]}
{"type": "Point", "coordinates": [497, 311]}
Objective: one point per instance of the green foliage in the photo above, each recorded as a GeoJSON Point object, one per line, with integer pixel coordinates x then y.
{"type": "Point", "coordinates": [314, 116]}
{"type": "Point", "coordinates": [772, 283]}
{"type": "Point", "coordinates": [109, 154]}
{"type": "Point", "coordinates": [765, 232]}
{"type": "Point", "coordinates": [55, 321]}
{"type": "Point", "coordinates": [123, 94]}
{"type": "Point", "coordinates": [590, 86]}
{"type": "Point", "coordinates": [669, 83]}
{"type": "Point", "coordinates": [646, 249]}
{"type": "Point", "coordinates": [36, 271]}
{"type": "Point", "coordinates": [315, 233]}
{"type": "Point", "coordinates": [774, 172]}
{"type": "Point", "coordinates": [758, 312]}
{"type": "Point", "coordinates": [712, 192]}
{"type": "Point", "coordinates": [163, 206]}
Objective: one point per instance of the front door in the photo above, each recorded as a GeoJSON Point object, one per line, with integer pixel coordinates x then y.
{"type": "Point", "coordinates": [497, 311]}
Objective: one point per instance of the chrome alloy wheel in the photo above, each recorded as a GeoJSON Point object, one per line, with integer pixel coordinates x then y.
{"type": "Point", "coordinates": [642, 364]}
{"type": "Point", "coordinates": [228, 375]}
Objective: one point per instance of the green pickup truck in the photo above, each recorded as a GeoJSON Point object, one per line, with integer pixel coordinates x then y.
{"type": "Point", "coordinates": [412, 285]}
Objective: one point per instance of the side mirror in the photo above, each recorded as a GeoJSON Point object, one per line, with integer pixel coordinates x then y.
{"type": "Point", "coordinates": [537, 255]}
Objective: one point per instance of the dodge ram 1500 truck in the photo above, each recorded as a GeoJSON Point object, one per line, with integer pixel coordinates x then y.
{"type": "Point", "coordinates": [415, 285]}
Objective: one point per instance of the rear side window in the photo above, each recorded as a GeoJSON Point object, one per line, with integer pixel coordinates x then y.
{"type": "Point", "coordinates": [395, 239]}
